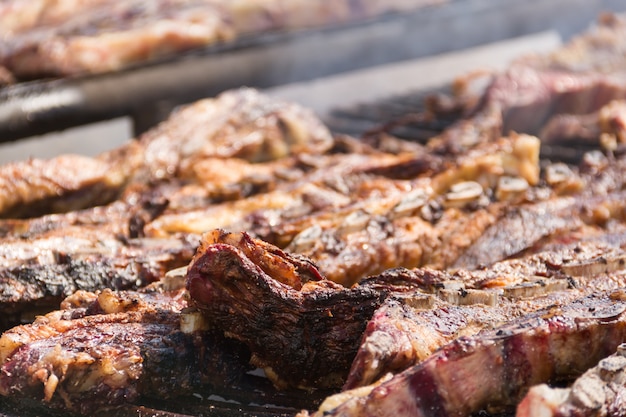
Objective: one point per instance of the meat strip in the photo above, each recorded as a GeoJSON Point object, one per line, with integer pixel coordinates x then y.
{"type": "Point", "coordinates": [76, 37]}
{"type": "Point", "coordinates": [493, 370]}
{"type": "Point", "coordinates": [241, 124]}
{"type": "Point", "coordinates": [409, 327]}
{"type": "Point", "coordinates": [313, 322]}
{"type": "Point", "coordinates": [110, 348]}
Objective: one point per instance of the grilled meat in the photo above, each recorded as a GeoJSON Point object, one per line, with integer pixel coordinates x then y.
{"type": "Point", "coordinates": [45, 271]}
{"type": "Point", "coordinates": [45, 259]}
{"type": "Point", "coordinates": [408, 328]}
{"type": "Point", "coordinates": [111, 348]}
{"type": "Point", "coordinates": [410, 313]}
{"type": "Point", "coordinates": [353, 221]}
{"type": "Point", "coordinates": [598, 392]}
{"type": "Point", "coordinates": [577, 79]}
{"type": "Point", "coordinates": [242, 124]}
{"type": "Point", "coordinates": [33, 187]}
{"type": "Point", "coordinates": [69, 37]}
{"type": "Point", "coordinates": [97, 38]}
{"type": "Point", "coordinates": [493, 370]}
{"type": "Point", "coordinates": [312, 321]}
{"type": "Point", "coordinates": [505, 253]}
{"type": "Point", "coordinates": [528, 227]}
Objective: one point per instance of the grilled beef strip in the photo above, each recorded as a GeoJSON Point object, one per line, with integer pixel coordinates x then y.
{"type": "Point", "coordinates": [604, 127]}
{"type": "Point", "coordinates": [494, 369]}
{"type": "Point", "coordinates": [409, 306]}
{"type": "Point", "coordinates": [109, 348]}
{"type": "Point", "coordinates": [312, 321]}
{"type": "Point", "coordinates": [241, 124]}
{"type": "Point", "coordinates": [598, 392]}
{"type": "Point", "coordinates": [32, 285]}
{"type": "Point", "coordinates": [97, 38]}
{"type": "Point", "coordinates": [61, 38]}
{"type": "Point", "coordinates": [407, 329]}
{"type": "Point", "coordinates": [576, 79]}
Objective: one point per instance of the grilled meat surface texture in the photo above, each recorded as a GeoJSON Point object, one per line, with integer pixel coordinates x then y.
{"type": "Point", "coordinates": [492, 370]}
{"type": "Point", "coordinates": [109, 348]}
{"type": "Point", "coordinates": [32, 285]}
{"type": "Point", "coordinates": [403, 332]}
{"type": "Point", "coordinates": [241, 124]}
{"type": "Point", "coordinates": [69, 37]}
{"type": "Point", "coordinates": [598, 392]}
{"type": "Point", "coordinates": [314, 321]}
{"type": "Point", "coordinates": [411, 313]}
{"type": "Point", "coordinates": [568, 204]}
{"type": "Point", "coordinates": [354, 223]}
{"type": "Point", "coordinates": [368, 217]}
{"type": "Point", "coordinates": [46, 258]}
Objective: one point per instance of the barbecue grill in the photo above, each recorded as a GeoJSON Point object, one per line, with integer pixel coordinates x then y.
{"type": "Point", "coordinates": [148, 93]}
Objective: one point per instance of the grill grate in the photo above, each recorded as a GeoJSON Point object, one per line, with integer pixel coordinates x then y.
{"type": "Point", "coordinates": [421, 115]}
{"type": "Point", "coordinates": [416, 116]}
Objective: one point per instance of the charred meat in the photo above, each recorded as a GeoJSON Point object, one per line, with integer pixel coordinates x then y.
{"type": "Point", "coordinates": [316, 322]}
{"type": "Point", "coordinates": [241, 124]}
{"type": "Point", "coordinates": [111, 348]}
{"type": "Point", "coordinates": [443, 277]}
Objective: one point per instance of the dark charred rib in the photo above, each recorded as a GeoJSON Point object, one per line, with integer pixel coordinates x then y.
{"type": "Point", "coordinates": [317, 326]}
{"type": "Point", "coordinates": [115, 348]}
{"type": "Point", "coordinates": [37, 279]}
{"type": "Point", "coordinates": [497, 367]}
